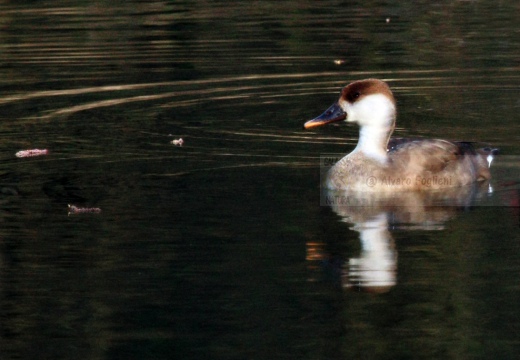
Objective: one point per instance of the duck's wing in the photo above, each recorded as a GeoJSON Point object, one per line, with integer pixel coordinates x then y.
{"type": "Point", "coordinates": [424, 155]}
{"type": "Point", "coordinates": [434, 156]}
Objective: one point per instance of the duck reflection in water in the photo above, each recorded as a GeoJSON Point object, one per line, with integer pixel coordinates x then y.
{"type": "Point", "coordinates": [373, 215]}
{"type": "Point", "coordinates": [394, 183]}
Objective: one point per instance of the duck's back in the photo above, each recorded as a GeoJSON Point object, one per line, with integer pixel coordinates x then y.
{"type": "Point", "coordinates": [412, 165]}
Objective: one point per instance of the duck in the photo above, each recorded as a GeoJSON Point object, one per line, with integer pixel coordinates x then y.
{"type": "Point", "coordinates": [380, 163]}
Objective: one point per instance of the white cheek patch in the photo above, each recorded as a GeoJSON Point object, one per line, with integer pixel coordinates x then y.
{"type": "Point", "coordinates": [374, 110]}
{"type": "Point", "coordinates": [348, 109]}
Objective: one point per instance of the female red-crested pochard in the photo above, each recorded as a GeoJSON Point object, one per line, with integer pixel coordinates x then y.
{"type": "Point", "coordinates": [379, 163]}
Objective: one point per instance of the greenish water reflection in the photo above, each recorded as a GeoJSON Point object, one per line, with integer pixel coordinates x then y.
{"type": "Point", "coordinates": [220, 248]}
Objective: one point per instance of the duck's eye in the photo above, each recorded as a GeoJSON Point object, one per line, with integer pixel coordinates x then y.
{"type": "Point", "coordinates": [352, 96]}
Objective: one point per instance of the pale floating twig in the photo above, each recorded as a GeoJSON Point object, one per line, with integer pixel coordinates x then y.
{"type": "Point", "coordinates": [82, 210]}
{"type": "Point", "coordinates": [31, 152]}
{"type": "Point", "coordinates": [177, 142]}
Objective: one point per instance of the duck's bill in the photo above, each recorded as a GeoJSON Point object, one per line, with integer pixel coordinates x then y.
{"type": "Point", "coordinates": [332, 114]}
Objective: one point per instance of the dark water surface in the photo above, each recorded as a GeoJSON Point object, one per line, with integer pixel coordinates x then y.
{"type": "Point", "coordinates": [223, 248]}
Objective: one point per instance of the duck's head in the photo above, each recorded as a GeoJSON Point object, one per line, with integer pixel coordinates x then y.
{"type": "Point", "coordinates": [366, 102]}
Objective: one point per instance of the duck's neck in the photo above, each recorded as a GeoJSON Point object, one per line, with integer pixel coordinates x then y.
{"type": "Point", "coordinates": [373, 142]}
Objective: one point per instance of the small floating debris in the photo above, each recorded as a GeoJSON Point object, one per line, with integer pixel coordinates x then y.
{"type": "Point", "coordinates": [31, 152]}
{"type": "Point", "coordinates": [83, 210]}
{"type": "Point", "coordinates": [339, 62]}
{"type": "Point", "coordinates": [387, 20]}
{"type": "Point", "coordinates": [177, 142]}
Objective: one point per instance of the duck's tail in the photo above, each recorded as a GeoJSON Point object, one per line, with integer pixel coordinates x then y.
{"type": "Point", "coordinates": [481, 157]}
{"type": "Point", "coordinates": [488, 153]}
